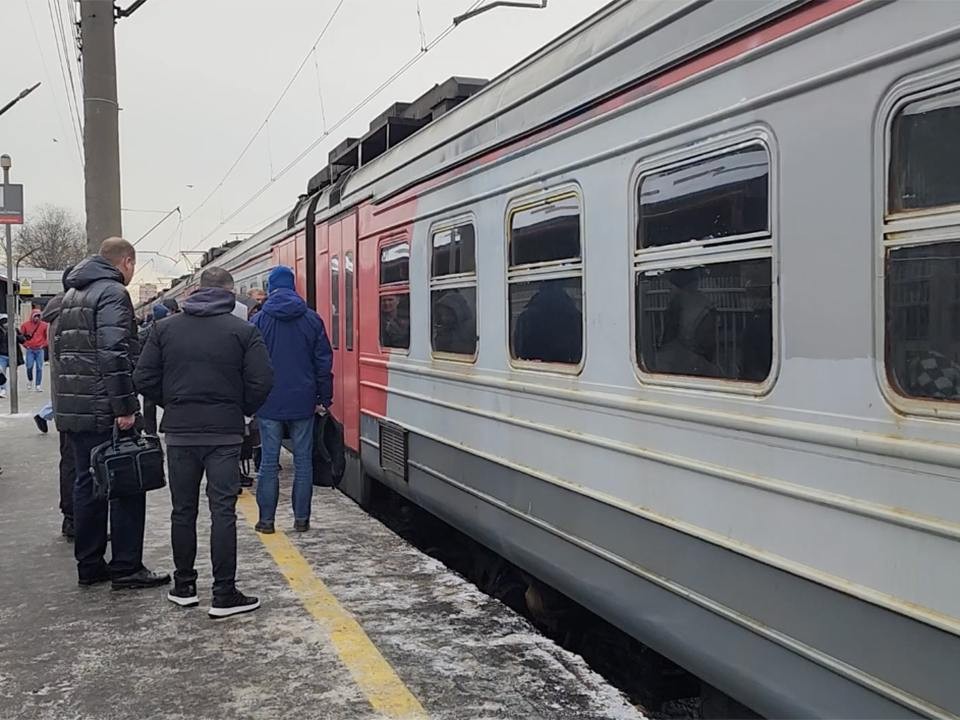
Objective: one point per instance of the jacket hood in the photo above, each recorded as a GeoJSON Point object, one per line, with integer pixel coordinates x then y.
{"type": "Point", "coordinates": [284, 304]}
{"type": "Point", "coordinates": [91, 269]}
{"type": "Point", "coordinates": [209, 301]}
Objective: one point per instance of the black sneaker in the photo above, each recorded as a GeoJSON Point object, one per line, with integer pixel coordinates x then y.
{"type": "Point", "coordinates": [301, 525]}
{"type": "Point", "coordinates": [235, 604]}
{"type": "Point", "coordinates": [245, 481]}
{"type": "Point", "coordinates": [141, 580]}
{"type": "Point", "coordinates": [264, 528]}
{"type": "Point", "coordinates": [41, 424]}
{"type": "Point", "coordinates": [66, 529]}
{"type": "Point", "coordinates": [184, 595]}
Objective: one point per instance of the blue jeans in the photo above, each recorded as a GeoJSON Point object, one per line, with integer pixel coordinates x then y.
{"type": "Point", "coordinates": [4, 366]}
{"type": "Point", "coordinates": [34, 358]}
{"type": "Point", "coordinates": [268, 483]}
{"type": "Point", "coordinates": [46, 412]}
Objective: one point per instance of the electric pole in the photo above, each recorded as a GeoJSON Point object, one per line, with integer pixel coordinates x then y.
{"type": "Point", "coordinates": [101, 138]}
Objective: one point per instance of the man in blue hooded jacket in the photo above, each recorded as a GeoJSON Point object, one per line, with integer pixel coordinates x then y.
{"type": "Point", "coordinates": [303, 387]}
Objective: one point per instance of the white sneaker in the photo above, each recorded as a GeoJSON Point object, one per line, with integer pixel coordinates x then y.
{"type": "Point", "coordinates": [39, 388]}
{"type": "Point", "coordinates": [3, 393]}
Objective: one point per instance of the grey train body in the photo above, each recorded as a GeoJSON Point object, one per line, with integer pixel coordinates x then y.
{"type": "Point", "coordinates": [792, 541]}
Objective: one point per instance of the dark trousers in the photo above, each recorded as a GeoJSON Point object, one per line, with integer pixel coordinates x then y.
{"type": "Point", "coordinates": [149, 417]}
{"type": "Point", "coordinates": [187, 465]}
{"type": "Point", "coordinates": [127, 517]}
{"type": "Point", "coordinates": [68, 475]}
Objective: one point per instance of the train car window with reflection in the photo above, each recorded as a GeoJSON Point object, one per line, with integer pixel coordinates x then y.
{"type": "Point", "coordinates": [395, 296]}
{"type": "Point", "coordinates": [453, 290]}
{"type": "Point", "coordinates": [545, 279]}
{"type": "Point", "coordinates": [703, 267]}
{"type": "Point", "coordinates": [335, 301]}
{"type": "Point", "coordinates": [922, 267]}
{"type": "Point", "coordinates": [348, 299]}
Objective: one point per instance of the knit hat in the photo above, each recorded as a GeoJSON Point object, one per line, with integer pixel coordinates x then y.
{"type": "Point", "coordinates": [280, 277]}
{"type": "Point", "coordinates": [160, 312]}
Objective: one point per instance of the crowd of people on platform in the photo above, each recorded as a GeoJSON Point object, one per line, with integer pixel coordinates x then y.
{"type": "Point", "coordinates": [212, 364]}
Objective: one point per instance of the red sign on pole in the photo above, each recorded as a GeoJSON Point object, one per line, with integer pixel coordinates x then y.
{"type": "Point", "coordinates": [11, 204]}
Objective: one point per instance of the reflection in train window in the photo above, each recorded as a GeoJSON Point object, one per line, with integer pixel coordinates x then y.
{"type": "Point", "coordinates": [546, 232]}
{"type": "Point", "coordinates": [923, 320]}
{"type": "Point", "coordinates": [922, 267]}
{"type": "Point", "coordinates": [720, 196]}
{"type": "Point", "coordinates": [705, 310]}
{"type": "Point", "coordinates": [395, 296]}
{"type": "Point", "coordinates": [924, 154]}
{"type": "Point", "coordinates": [454, 315]}
{"type": "Point", "coordinates": [395, 263]}
{"type": "Point", "coordinates": [453, 290]}
{"type": "Point", "coordinates": [707, 321]}
{"type": "Point", "coordinates": [348, 299]}
{"type": "Point", "coordinates": [545, 280]}
{"type": "Point", "coordinates": [395, 320]}
{"type": "Point", "coordinates": [546, 318]}
{"type": "Point", "coordinates": [454, 251]}
{"type": "Point", "coordinates": [335, 301]}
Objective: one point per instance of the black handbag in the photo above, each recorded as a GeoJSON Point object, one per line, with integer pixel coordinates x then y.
{"type": "Point", "coordinates": [129, 464]}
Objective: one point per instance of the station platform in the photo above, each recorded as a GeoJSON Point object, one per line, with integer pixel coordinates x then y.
{"type": "Point", "coordinates": [355, 623]}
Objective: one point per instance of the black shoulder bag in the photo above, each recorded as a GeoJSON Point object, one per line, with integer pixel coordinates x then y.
{"type": "Point", "coordinates": [129, 464]}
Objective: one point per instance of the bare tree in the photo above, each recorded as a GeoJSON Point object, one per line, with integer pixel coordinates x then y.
{"type": "Point", "coordinates": [52, 238]}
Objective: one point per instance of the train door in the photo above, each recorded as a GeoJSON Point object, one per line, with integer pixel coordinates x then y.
{"type": "Point", "coordinates": [343, 327]}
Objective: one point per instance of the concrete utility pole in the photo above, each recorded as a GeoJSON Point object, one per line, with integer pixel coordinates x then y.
{"type": "Point", "coordinates": [12, 324]}
{"type": "Point", "coordinates": [101, 137]}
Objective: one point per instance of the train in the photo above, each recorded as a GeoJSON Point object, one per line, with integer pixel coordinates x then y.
{"type": "Point", "coordinates": [668, 315]}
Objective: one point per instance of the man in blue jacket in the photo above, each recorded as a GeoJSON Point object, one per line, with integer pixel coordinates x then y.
{"type": "Point", "coordinates": [303, 386]}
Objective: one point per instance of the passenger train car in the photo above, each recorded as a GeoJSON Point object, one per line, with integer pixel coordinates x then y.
{"type": "Point", "coordinates": [669, 316]}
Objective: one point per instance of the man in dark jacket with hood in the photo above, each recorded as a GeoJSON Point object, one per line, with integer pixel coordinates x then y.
{"type": "Point", "coordinates": [95, 348]}
{"type": "Point", "coordinates": [302, 362]}
{"type": "Point", "coordinates": [207, 369]}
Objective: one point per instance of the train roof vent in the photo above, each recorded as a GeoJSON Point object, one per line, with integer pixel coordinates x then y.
{"type": "Point", "coordinates": [392, 127]}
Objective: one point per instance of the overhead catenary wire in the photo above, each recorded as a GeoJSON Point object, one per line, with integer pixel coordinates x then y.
{"type": "Point", "coordinates": [70, 59]}
{"type": "Point", "coordinates": [51, 84]}
{"type": "Point", "coordinates": [157, 224]}
{"type": "Point", "coordinates": [333, 128]}
{"type": "Point", "coordinates": [63, 59]}
{"type": "Point", "coordinates": [272, 110]}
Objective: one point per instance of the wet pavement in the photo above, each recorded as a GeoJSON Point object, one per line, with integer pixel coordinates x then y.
{"type": "Point", "coordinates": [355, 623]}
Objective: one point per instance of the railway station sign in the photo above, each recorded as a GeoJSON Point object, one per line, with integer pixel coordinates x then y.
{"type": "Point", "coordinates": [11, 204]}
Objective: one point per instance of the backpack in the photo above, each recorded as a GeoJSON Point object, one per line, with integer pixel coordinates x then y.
{"type": "Point", "coordinates": [329, 461]}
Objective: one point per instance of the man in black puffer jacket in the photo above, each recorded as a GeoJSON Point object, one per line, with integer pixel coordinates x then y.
{"type": "Point", "coordinates": [207, 369]}
{"type": "Point", "coordinates": [95, 349]}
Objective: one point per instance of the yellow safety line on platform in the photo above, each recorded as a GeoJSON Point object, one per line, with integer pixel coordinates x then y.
{"type": "Point", "coordinates": [373, 674]}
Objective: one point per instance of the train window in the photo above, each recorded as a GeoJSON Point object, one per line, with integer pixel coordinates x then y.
{"type": "Point", "coordinates": [716, 198]}
{"type": "Point", "coordinates": [395, 296]}
{"type": "Point", "coordinates": [395, 263]}
{"type": "Point", "coordinates": [922, 267]}
{"type": "Point", "coordinates": [454, 251]}
{"type": "Point", "coordinates": [335, 301]}
{"type": "Point", "coordinates": [546, 232]}
{"type": "Point", "coordinates": [924, 155]}
{"type": "Point", "coordinates": [545, 280]}
{"type": "Point", "coordinates": [348, 299]}
{"type": "Point", "coordinates": [706, 310]}
{"type": "Point", "coordinates": [453, 290]}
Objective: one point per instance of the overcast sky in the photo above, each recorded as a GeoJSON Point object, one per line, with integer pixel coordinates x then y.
{"type": "Point", "coordinates": [197, 78]}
